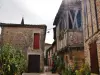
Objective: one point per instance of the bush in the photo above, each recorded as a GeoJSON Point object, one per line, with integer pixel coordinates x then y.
{"type": "Point", "coordinates": [13, 61]}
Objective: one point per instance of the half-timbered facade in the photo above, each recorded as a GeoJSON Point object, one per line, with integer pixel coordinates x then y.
{"type": "Point", "coordinates": [69, 33]}
{"type": "Point", "coordinates": [91, 22]}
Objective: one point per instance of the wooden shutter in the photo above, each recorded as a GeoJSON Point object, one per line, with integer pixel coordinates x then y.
{"type": "Point", "coordinates": [94, 58]}
{"type": "Point", "coordinates": [36, 41]}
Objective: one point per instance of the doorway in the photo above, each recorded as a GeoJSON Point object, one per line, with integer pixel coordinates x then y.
{"type": "Point", "coordinates": [34, 63]}
{"type": "Point", "coordinates": [94, 58]}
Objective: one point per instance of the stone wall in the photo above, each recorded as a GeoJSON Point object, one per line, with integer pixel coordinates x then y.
{"type": "Point", "coordinates": [91, 22]}
{"type": "Point", "coordinates": [22, 38]}
{"type": "Point", "coordinates": [70, 57]}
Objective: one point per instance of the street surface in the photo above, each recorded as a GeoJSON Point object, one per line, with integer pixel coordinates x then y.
{"type": "Point", "coordinates": [46, 73]}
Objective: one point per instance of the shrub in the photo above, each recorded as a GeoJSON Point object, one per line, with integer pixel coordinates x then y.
{"type": "Point", "coordinates": [12, 60]}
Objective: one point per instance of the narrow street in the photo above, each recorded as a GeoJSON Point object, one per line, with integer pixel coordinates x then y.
{"type": "Point", "coordinates": [47, 73]}
{"type": "Point", "coordinates": [49, 37]}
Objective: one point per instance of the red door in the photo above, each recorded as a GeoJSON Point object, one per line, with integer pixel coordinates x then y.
{"type": "Point", "coordinates": [94, 58]}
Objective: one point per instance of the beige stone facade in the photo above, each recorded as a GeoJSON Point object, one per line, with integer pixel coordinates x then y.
{"type": "Point", "coordinates": [91, 20]}
{"type": "Point", "coordinates": [73, 57]}
{"type": "Point", "coordinates": [22, 37]}
{"type": "Point", "coordinates": [47, 46]}
{"type": "Point", "coordinates": [51, 52]}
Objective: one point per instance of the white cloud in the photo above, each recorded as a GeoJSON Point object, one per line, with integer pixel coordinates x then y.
{"type": "Point", "coordinates": [46, 9]}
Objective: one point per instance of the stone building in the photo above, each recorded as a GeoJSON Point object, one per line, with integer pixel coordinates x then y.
{"type": "Point", "coordinates": [29, 38]}
{"type": "Point", "coordinates": [47, 46]}
{"type": "Point", "coordinates": [91, 22]}
{"type": "Point", "coordinates": [69, 33]}
{"type": "Point", "coordinates": [50, 52]}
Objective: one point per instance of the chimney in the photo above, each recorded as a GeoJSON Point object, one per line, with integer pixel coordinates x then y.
{"type": "Point", "coordinates": [22, 22]}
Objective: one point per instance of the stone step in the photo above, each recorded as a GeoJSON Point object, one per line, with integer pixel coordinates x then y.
{"type": "Point", "coordinates": [47, 73]}
{"type": "Point", "coordinates": [31, 74]}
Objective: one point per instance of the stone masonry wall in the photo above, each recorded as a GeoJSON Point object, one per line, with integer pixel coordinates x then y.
{"type": "Point", "coordinates": [23, 38]}
{"type": "Point", "coordinates": [91, 23]}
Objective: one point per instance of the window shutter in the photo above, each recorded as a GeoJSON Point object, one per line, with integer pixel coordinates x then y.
{"type": "Point", "coordinates": [36, 41]}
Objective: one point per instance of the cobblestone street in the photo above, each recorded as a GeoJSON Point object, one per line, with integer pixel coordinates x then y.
{"type": "Point", "coordinates": [47, 73]}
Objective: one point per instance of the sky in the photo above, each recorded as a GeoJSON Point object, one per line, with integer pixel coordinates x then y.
{"type": "Point", "coordinates": [33, 12]}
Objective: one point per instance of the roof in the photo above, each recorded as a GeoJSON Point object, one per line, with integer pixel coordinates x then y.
{"type": "Point", "coordinates": [52, 45]}
{"type": "Point", "coordinates": [54, 33]}
{"type": "Point", "coordinates": [58, 14]}
{"type": "Point", "coordinates": [47, 44]}
{"type": "Point", "coordinates": [41, 26]}
{"type": "Point", "coordinates": [66, 6]}
{"type": "Point", "coordinates": [25, 25]}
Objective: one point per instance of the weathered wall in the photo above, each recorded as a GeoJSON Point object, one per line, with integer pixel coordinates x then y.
{"type": "Point", "coordinates": [69, 33]}
{"type": "Point", "coordinates": [47, 46]}
{"type": "Point", "coordinates": [22, 37]}
{"type": "Point", "coordinates": [91, 22]}
{"type": "Point", "coordinates": [69, 57]}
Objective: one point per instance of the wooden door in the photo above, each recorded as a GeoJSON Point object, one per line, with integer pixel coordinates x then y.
{"type": "Point", "coordinates": [94, 58]}
{"type": "Point", "coordinates": [34, 64]}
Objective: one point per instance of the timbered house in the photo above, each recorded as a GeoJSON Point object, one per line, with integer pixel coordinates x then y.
{"type": "Point", "coordinates": [91, 22]}
{"type": "Point", "coordinates": [29, 38]}
{"type": "Point", "coordinates": [69, 32]}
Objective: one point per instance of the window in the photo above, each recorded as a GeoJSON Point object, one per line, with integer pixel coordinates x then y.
{"type": "Point", "coordinates": [72, 14]}
{"type": "Point", "coordinates": [79, 18]}
{"type": "Point", "coordinates": [36, 41]}
{"type": "Point", "coordinates": [70, 23]}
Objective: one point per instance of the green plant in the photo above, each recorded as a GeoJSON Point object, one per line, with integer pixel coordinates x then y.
{"type": "Point", "coordinates": [12, 60]}
{"type": "Point", "coordinates": [60, 64]}
{"type": "Point", "coordinates": [57, 64]}
{"type": "Point", "coordinates": [84, 70]}
{"type": "Point", "coordinates": [76, 63]}
{"type": "Point", "coordinates": [68, 71]}
{"type": "Point", "coordinates": [78, 72]}
{"type": "Point", "coordinates": [54, 65]}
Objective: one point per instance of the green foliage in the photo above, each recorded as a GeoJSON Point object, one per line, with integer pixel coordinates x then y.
{"type": "Point", "coordinates": [58, 64]}
{"type": "Point", "coordinates": [12, 60]}
{"type": "Point", "coordinates": [54, 64]}
{"type": "Point", "coordinates": [84, 70]}
{"type": "Point", "coordinates": [76, 63]}
{"type": "Point", "coordinates": [68, 71]}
